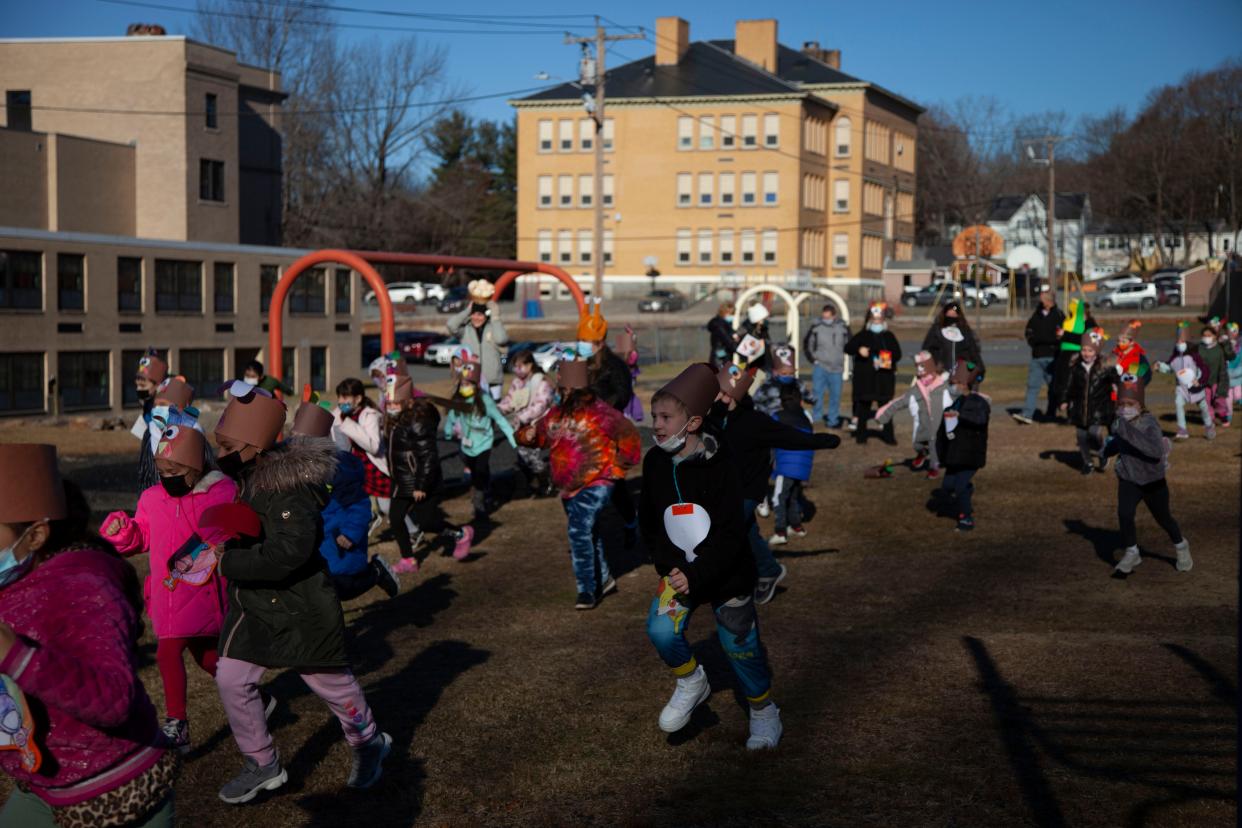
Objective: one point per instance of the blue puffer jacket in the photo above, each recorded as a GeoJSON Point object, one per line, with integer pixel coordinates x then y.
{"type": "Point", "coordinates": [793, 464]}
{"type": "Point", "coordinates": [348, 513]}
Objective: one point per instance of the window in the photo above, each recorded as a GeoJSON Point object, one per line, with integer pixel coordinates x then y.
{"type": "Point", "coordinates": [683, 247]}
{"type": "Point", "coordinates": [873, 199]}
{"type": "Point", "coordinates": [308, 291]}
{"type": "Point", "coordinates": [545, 136]}
{"type": "Point", "coordinates": [565, 188]}
{"type": "Point", "coordinates": [269, 275]}
{"type": "Point", "coordinates": [343, 291]}
{"type": "Point", "coordinates": [841, 195]}
{"type": "Point", "coordinates": [17, 103]}
{"type": "Point", "coordinates": [812, 192]}
{"type": "Point", "coordinates": [204, 368]}
{"type": "Point", "coordinates": [82, 378]}
{"type": "Point", "coordinates": [903, 151]}
{"type": "Point", "coordinates": [707, 133]}
{"type": "Point", "coordinates": [816, 136]}
{"type": "Point", "coordinates": [840, 250]}
{"type": "Point", "coordinates": [585, 246]}
{"type": "Point", "coordinates": [705, 247]}
{"type": "Point", "coordinates": [724, 244]}
{"type": "Point", "coordinates": [210, 180]}
{"type": "Point", "coordinates": [750, 125]}
{"type": "Point", "coordinates": [684, 182]}
{"type": "Point", "coordinates": [564, 246]}
{"type": "Point", "coordinates": [128, 284]}
{"type": "Point", "coordinates": [545, 191]}
{"type": "Point", "coordinates": [841, 139]}
{"type": "Point", "coordinates": [586, 190]}
{"type": "Point", "coordinates": [748, 247]}
{"type": "Point", "coordinates": [772, 130]}
{"type": "Point", "coordinates": [21, 279]}
{"type": "Point", "coordinates": [289, 365]}
{"type": "Point", "coordinates": [905, 206]}
{"type": "Point", "coordinates": [728, 131]}
{"type": "Point", "coordinates": [544, 244]}
{"type": "Point", "coordinates": [812, 248]}
{"type": "Point", "coordinates": [727, 181]}
{"type": "Point", "coordinates": [905, 251]}
{"type": "Point", "coordinates": [769, 247]}
{"type": "Point", "coordinates": [566, 131]}
{"type": "Point", "coordinates": [178, 286]}
{"type": "Point", "coordinates": [608, 191]}
{"type": "Point", "coordinates": [608, 237]}
{"type": "Point", "coordinates": [70, 281]}
{"type": "Point", "coordinates": [876, 139]}
{"type": "Point", "coordinates": [748, 189]}
{"type": "Point", "coordinates": [222, 278]}
{"type": "Point", "coordinates": [319, 367]}
{"type": "Point", "coordinates": [685, 133]}
{"type": "Point", "coordinates": [872, 252]}
{"type": "Point", "coordinates": [771, 184]}
{"type": "Point", "coordinates": [706, 186]}
{"type": "Point", "coordinates": [609, 129]}
{"type": "Point", "coordinates": [21, 380]}
{"type": "Point", "coordinates": [586, 134]}
{"type": "Point", "coordinates": [209, 109]}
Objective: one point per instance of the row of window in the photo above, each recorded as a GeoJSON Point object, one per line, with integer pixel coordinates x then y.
{"type": "Point", "coordinates": [720, 189]}
{"type": "Point", "coordinates": [572, 246]}
{"type": "Point", "coordinates": [565, 191]}
{"type": "Point", "coordinates": [727, 136]}
{"type": "Point", "coordinates": [1147, 242]}
{"type": "Point", "coordinates": [566, 130]}
{"type": "Point", "coordinates": [178, 285]}
{"type": "Point", "coordinates": [84, 378]}
{"type": "Point", "coordinates": [707, 246]}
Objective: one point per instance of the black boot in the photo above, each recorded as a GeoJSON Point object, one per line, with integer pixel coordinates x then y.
{"type": "Point", "coordinates": [889, 437]}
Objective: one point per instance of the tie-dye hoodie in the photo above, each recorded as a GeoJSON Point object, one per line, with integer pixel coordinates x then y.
{"type": "Point", "coordinates": [592, 445]}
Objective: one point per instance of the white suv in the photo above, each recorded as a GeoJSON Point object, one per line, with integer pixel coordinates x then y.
{"type": "Point", "coordinates": [403, 292]}
{"type": "Point", "coordinates": [1141, 295]}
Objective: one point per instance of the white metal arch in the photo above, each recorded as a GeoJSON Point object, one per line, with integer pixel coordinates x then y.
{"type": "Point", "coordinates": [793, 322]}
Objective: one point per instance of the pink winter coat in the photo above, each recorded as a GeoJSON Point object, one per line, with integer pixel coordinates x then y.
{"type": "Point", "coordinates": [75, 662]}
{"type": "Point", "coordinates": [161, 525]}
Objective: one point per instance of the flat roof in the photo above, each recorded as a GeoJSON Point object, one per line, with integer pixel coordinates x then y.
{"type": "Point", "coordinates": [34, 234]}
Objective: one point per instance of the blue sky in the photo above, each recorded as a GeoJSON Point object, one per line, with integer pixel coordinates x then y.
{"type": "Point", "coordinates": [1084, 57]}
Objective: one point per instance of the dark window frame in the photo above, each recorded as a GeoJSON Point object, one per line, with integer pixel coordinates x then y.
{"type": "Point", "coordinates": [186, 274]}
{"type": "Point", "coordinates": [18, 104]}
{"type": "Point", "coordinates": [10, 394]}
{"type": "Point", "coordinates": [211, 180]}
{"type": "Point", "coordinates": [128, 300]}
{"type": "Point", "coordinates": [269, 276]}
{"type": "Point", "coordinates": [343, 277]}
{"type": "Point", "coordinates": [211, 110]}
{"type": "Point", "coordinates": [308, 295]}
{"type": "Point", "coordinates": [91, 395]}
{"type": "Point", "coordinates": [79, 292]}
{"type": "Point", "coordinates": [31, 295]}
{"type": "Point", "coordinates": [229, 271]}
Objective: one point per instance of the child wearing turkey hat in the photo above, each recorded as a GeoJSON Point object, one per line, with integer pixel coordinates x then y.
{"type": "Point", "coordinates": [185, 614]}
{"type": "Point", "coordinates": [1142, 458]}
{"type": "Point", "coordinates": [283, 609]}
{"type": "Point", "coordinates": [590, 446]}
{"type": "Point", "coordinates": [692, 521]}
{"type": "Point", "coordinates": [476, 429]}
{"type": "Point", "coordinates": [70, 620]}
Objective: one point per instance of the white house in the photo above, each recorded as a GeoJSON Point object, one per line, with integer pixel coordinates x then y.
{"type": "Point", "coordinates": [1023, 219]}
{"type": "Point", "coordinates": [1113, 248]}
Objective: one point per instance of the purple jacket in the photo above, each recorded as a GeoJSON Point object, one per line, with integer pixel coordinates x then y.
{"type": "Point", "coordinates": [75, 662]}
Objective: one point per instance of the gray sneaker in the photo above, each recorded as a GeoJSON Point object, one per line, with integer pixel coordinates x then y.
{"type": "Point", "coordinates": [253, 778]}
{"type": "Point", "coordinates": [1184, 561]}
{"type": "Point", "coordinates": [368, 763]}
{"type": "Point", "coordinates": [766, 587]}
{"type": "Point", "coordinates": [1129, 560]}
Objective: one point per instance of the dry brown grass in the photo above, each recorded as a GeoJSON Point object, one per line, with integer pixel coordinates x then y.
{"type": "Point", "coordinates": [925, 677]}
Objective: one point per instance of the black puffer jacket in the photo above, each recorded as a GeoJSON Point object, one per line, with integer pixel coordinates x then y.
{"type": "Point", "coordinates": [751, 436]}
{"type": "Point", "coordinates": [968, 448]}
{"type": "Point", "coordinates": [612, 382]}
{"type": "Point", "coordinates": [1090, 396]}
{"type": "Point", "coordinates": [1041, 332]}
{"type": "Point", "coordinates": [413, 456]}
{"type": "Point", "coordinates": [283, 609]}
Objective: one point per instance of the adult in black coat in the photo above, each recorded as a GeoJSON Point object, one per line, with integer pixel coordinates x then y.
{"type": "Point", "coordinates": [720, 333]}
{"type": "Point", "coordinates": [1043, 335]}
{"type": "Point", "coordinates": [951, 338]}
{"type": "Point", "coordinates": [876, 353]}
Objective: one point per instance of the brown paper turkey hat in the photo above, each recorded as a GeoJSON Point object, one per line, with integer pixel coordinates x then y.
{"type": "Point", "coordinates": [255, 419]}
{"type": "Point", "coordinates": [30, 484]}
{"type": "Point", "coordinates": [1132, 388]}
{"type": "Point", "coordinates": [400, 388]}
{"type": "Point", "coordinates": [182, 444]}
{"type": "Point", "coordinates": [572, 373]}
{"type": "Point", "coordinates": [152, 367]}
{"type": "Point", "coordinates": [696, 387]}
{"type": "Point", "coordinates": [735, 382]}
{"type": "Point", "coordinates": [175, 391]}
{"type": "Point", "coordinates": [312, 420]}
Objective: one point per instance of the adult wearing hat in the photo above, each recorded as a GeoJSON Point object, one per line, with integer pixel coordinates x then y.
{"type": "Point", "coordinates": [876, 353]}
{"type": "Point", "coordinates": [1142, 458]}
{"type": "Point", "coordinates": [283, 609]}
{"type": "Point", "coordinates": [751, 437]}
{"type": "Point", "coordinates": [479, 328]}
{"type": "Point", "coordinates": [70, 620]}
{"type": "Point", "coordinates": [951, 338]}
{"type": "Point", "coordinates": [693, 522]}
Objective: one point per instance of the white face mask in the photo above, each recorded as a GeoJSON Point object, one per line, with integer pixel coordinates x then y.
{"type": "Point", "coordinates": [11, 569]}
{"type": "Point", "coordinates": [1181, 347]}
{"type": "Point", "coordinates": [1129, 412]}
{"type": "Point", "coordinates": [1208, 342]}
{"type": "Point", "coordinates": [674, 444]}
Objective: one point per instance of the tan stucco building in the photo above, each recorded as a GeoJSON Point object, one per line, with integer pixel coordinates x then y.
{"type": "Point", "coordinates": [738, 157]}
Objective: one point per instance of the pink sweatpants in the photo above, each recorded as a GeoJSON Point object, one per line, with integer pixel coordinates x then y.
{"type": "Point", "coordinates": [239, 692]}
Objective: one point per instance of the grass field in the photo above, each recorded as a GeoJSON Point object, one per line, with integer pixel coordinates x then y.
{"type": "Point", "coordinates": [1000, 678]}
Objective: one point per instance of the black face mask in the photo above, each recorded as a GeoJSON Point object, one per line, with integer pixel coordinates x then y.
{"type": "Point", "coordinates": [176, 486]}
{"type": "Point", "coordinates": [233, 465]}
{"type": "Point", "coordinates": [144, 393]}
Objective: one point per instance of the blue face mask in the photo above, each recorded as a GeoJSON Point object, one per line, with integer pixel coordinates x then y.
{"type": "Point", "coordinates": [585, 349]}
{"type": "Point", "coordinates": [785, 379]}
{"type": "Point", "coordinates": [876, 328]}
{"type": "Point", "coordinates": [346, 408]}
{"type": "Point", "coordinates": [729, 319]}
{"type": "Point", "coordinates": [11, 569]}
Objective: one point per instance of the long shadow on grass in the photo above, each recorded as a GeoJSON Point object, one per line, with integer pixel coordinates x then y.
{"type": "Point", "coordinates": [1067, 458]}
{"type": "Point", "coordinates": [1107, 542]}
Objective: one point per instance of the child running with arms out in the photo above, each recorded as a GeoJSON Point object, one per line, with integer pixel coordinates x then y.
{"type": "Point", "coordinates": [692, 521]}
{"type": "Point", "coordinates": [476, 429]}
{"type": "Point", "coordinates": [926, 401]}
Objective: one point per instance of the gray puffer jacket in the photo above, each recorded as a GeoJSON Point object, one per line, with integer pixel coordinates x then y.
{"type": "Point", "coordinates": [1142, 449]}
{"type": "Point", "coordinates": [825, 342]}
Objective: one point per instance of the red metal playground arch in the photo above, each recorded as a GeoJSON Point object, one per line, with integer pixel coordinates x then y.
{"type": "Point", "coordinates": [361, 261]}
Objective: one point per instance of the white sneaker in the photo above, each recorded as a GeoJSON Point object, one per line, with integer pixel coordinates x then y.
{"type": "Point", "coordinates": [691, 691]}
{"type": "Point", "coordinates": [778, 540]}
{"type": "Point", "coordinates": [1184, 563]}
{"type": "Point", "coordinates": [765, 728]}
{"type": "Point", "coordinates": [796, 532]}
{"type": "Point", "coordinates": [1129, 560]}
{"type": "Point", "coordinates": [763, 509]}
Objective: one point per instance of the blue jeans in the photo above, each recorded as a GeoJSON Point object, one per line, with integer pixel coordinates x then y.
{"type": "Point", "coordinates": [737, 626]}
{"type": "Point", "coordinates": [1180, 405]}
{"type": "Point", "coordinates": [957, 485]}
{"type": "Point", "coordinates": [821, 379]}
{"type": "Point", "coordinates": [759, 549]}
{"type": "Point", "coordinates": [586, 548]}
{"type": "Point", "coordinates": [1038, 374]}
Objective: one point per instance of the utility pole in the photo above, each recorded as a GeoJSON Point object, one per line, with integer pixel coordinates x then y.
{"type": "Point", "coordinates": [595, 108]}
{"type": "Point", "coordinates": [1050, 144]}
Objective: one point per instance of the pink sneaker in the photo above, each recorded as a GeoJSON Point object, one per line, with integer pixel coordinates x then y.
{"type": "Point", "coordinates": [462, 548]}
{"type": "Point", "coordinates": [405, 566]}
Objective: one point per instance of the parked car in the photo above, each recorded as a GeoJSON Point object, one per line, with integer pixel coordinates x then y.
{"type": "Point", "coordinates": [441, 353]}
{"type": "Point", "coordinates": [1143, 295]}
{"type": "Point", "coordinates": [1169, 286]}
{"type": "Point", "coordinates": [414, 344]}
{"type": "Point", "coordinates": [927, 294]}
{"type": "Point", "coordinates": [454, 300]}
{"type": "Point", "coordinates": [1113, 282]}
{"type": "Point", "coordinates": [662, 301]}
{"type": "Point", "coordinates": [548, 354]}
{"type": "Point", "coordinates": [404, 292]}
{"type": "Point", "coordinates": [976, 295]}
